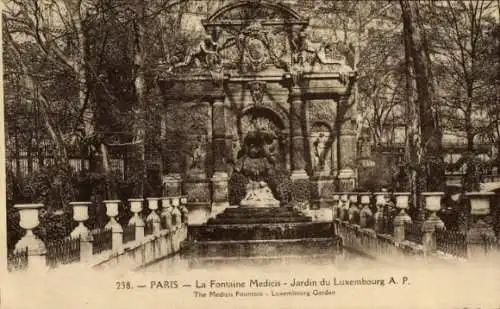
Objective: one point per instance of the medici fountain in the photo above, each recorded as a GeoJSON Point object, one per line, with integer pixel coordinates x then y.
{"type": "Point", "coordinates": [261, 127]}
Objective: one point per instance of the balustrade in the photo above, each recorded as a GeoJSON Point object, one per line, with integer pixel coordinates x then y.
{"type": "Point", "coordinates": [82, 243]}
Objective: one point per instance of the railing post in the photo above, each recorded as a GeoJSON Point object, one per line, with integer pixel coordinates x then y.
{"type": "Point", "coordinates": [353, 212]}
{"type": "Point", "coordinates": [480, 235]}
{"type": "Point", "coordinates": [344, 208]}
{"type": "Point", "coordinates": [153, 217]}
{"type": "Point", "coordinates": [365, 215]}
{"type": "Point", "coordinates": [379, 215]}
{"type": "Point", "coordinates": [402, 218]}
{"type": "Point", "coordinates": [433, 222]}
{"type": "Point", "coordinates": [184, 210]}
{"type": "Point", "coordinates": [176, 213]}
{"type": "Point", "coordinates": [335, 208]}
{"type": "Point", "coordinates": [136, 208]}
{"type": "Point", "coordinates": [36, 248]}
{"type": "Point", "coordinates": [80, 215]}
{"type": "Point", "coordinates": [166, 212]}
{"type": "Point", "coordinates": [113, 225]}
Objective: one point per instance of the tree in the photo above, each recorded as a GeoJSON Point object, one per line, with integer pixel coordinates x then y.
{"type": "Point", "coordinates": [424, 146]}
{"type": "Point", "coordinates": [463, 65]}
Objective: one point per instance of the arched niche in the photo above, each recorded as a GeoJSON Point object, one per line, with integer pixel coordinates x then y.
{"type": "Point", "coordinates": [264, 119]}
{"type": "Point", "coordinates": [322, 145]}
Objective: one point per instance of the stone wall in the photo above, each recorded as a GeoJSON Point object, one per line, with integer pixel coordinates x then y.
{"type": "Point", "coordinates": [151, 249]}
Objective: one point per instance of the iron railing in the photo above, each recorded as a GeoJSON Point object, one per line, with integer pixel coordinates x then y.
{"type": "Point", "coordinates": [63, 252]}
{"type": "Point", "coordinates": [18, 260]}
{"type": "Point", "coordinates": [451, 242]}
{"type": "Point", "coordinates": [148, 228]}
{"type": "Point", "coordinates": [103, 240]}
{"type": "Point", "coordinates": [129, 233]}
{"type": "Point", "coordinates": [414, 232]}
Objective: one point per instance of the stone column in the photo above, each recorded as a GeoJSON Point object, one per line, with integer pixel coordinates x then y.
{"type": "Point", "coordinates": [433, 222]}
{"type": "Point", "coordinates": [353, 208]}
{"type": "Point", "coordinates": [80, 215]}
{"type": "Point", "coordinates": [480, 235]}
{"type": "Point", "coordinates": [347, 155]}
{"type": "Point", "coordinates": [402, 218]}
{"type": "Point", "coordinates": [379, 214]}
{"type": "Point", "coordinates": [184, 210]}
{"type": "Point", "coordinates": [336, 206]}
{"type": "Point", "coordinates": [176, 213]}
{"type": "Point", "coordinates": [136, 208]}
{"type": "Point", "coordinates": [36, 248]}
{"type": "Point", "coordinates": [220, 177]}
{"type": "Point", "coordinates": [166, 213]}
{"type": "Point", "coordinates": [297, 148]}
{"type": "Point", "coordinates": [300, 187]}
{"type": "Point", "coordinates": [153, 217]}
{"type": "Point", "coordinates": [113, 225]}
{"type": "Point", "coordinates": [344, 216]}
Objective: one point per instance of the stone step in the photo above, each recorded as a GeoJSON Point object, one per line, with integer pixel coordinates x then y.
{"type": "Point", "coordinates": [253, 248]}
{"type": "Point", "coordinates": [251, 220]}
{"type": "Point", "coordinates": [258, 215]}
{"type": "Point", "coordinates": [328, 258]}
{"type": "Point", "coordinates": [260, 231]}
{"type": "Point", "coordinates": [260, 210]}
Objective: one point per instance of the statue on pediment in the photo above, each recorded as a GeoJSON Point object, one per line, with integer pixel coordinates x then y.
{"type": "Point", "coordinates": [205, 53]}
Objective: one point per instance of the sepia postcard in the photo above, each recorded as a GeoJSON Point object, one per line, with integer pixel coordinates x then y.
{"type": "Point", "coordinates": [250, 154]}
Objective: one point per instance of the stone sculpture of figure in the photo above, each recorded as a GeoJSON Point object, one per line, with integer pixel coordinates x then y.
{"type": "Point", "coordinates": [317, 153]}
{"type": "Point", "coordinates": [198, 155]}
{"type": "Point", "coordinates": [200, 53]}
{"type": "Point", "coordinates": [302, 45]}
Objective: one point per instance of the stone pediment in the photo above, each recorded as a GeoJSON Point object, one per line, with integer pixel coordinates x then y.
{"type": "Point", "coordinates": [240, 12]}
{"type": "Point", "coordinates": [254, 37]}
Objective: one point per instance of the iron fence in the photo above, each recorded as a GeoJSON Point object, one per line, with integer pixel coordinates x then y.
{"type": "Point", "coordinates": [63, 251]}
{"type": "Point", "coordinates": [148, 228]}
{"type": "Point", "coordinates": [103, 240]}
{"type": "Point", "coordinates": [414, 232]}
{"type": "Point", "coordinates": [18, 260]}
{"type": "Point", "coordinates": [129, 233]}
{"type": "Point", "coordinates": [451, 242]}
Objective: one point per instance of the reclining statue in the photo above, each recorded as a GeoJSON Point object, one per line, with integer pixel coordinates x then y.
{"type": "Point", "coordinates": [200, 53]}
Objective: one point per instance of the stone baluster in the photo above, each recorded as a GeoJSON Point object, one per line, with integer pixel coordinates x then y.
{"type": "Point", "coordinates": [113, 225]}
{"type": "Point", "coordinates": [336, 206]}
{"type": "Point", "coordinates": [480, 235]}
{"type": "Point", "coordinates": [136, 208]}
{"type": "Point", "coordinates": [184, 210]}
{"type": "Point", "coordinates": [433, 222]}
{"type": "Point", "coordinates": [153, 217]}
{"type": "Point", "coordinates": [344, 208]}
{"type": "Point", "coordinates": [176, 213]}
{"type": "Point", "coordinates": [366, 215]}
{"type": "Point", "coordinates": [36, 248]}
{"type": "Point", "coordinates": [353, 212]}
{"type": "Point", "coordinates": [379, 215]}
{"type": "Point", "coordinates": [80, 215]}
{"type": "Point", "coordinates": [166, 213]}
{"type": "Point", "coordinates": [402, 218]}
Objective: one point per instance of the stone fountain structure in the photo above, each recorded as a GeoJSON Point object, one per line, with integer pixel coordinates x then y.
{"type": "Point", "coordinates": [258, 73]}
{"type": "Point", "coordinates": [261, 108]}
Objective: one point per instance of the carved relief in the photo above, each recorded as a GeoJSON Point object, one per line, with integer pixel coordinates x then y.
{"type": "Point", "coordinates": [257, 91]}
{"type": "Point", "coordinates": [205, 55]}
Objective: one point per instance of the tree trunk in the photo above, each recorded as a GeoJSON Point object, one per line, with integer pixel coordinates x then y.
{"type": "Point", "coordinates": [428, 149]}
{"type": "Point", "coordinates": [29, 83]}
{"type": "Point", "coordinates": [140, 89]}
